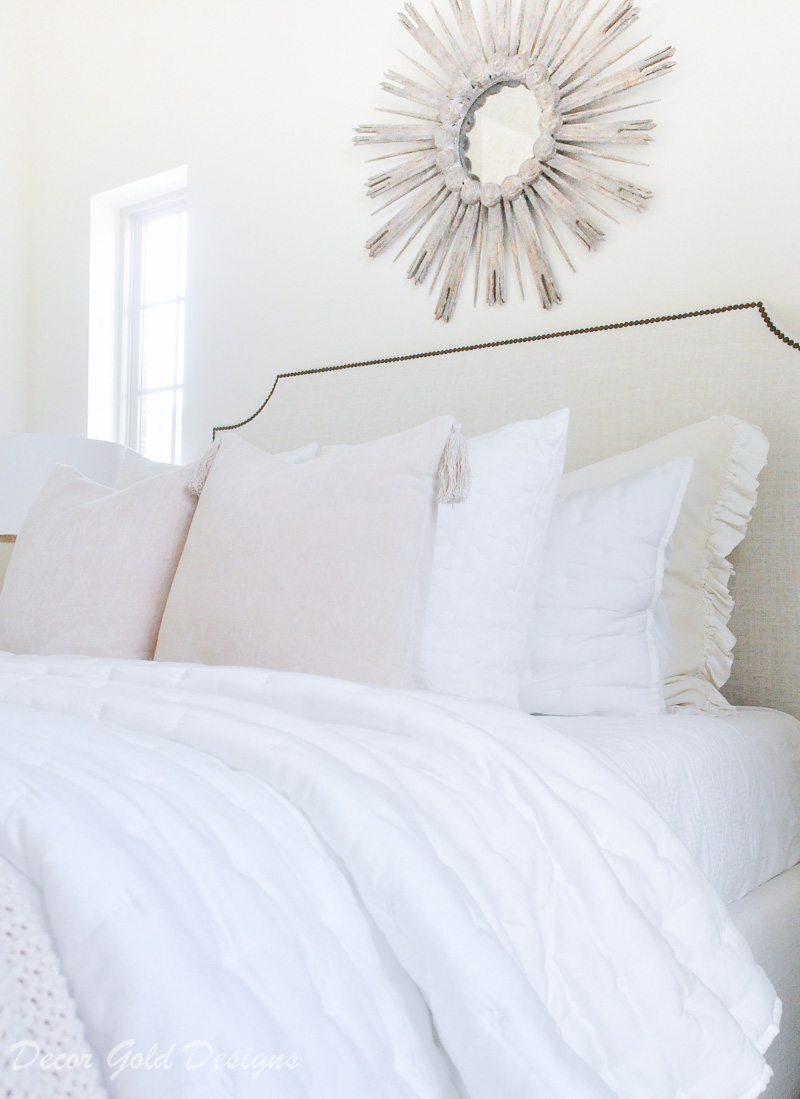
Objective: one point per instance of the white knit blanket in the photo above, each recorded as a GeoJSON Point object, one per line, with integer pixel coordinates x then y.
{"type": "Point", "coordinates": [43, 1049]}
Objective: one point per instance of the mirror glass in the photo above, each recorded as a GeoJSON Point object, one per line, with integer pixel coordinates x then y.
{"type": "Point", "coordinates": [506, 126]}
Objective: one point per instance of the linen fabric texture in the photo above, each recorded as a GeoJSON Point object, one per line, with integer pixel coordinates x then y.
{"type": "Point", "coordinates": [728, 454]}
{"type": "Point", "coordinates": [599, 640]}
{"type": "Point", "coordinates": [320, 567]}
{"type": "Point", "coordinates": [486, 562]}
{"type": "Point", "coordinates": [92, 567]}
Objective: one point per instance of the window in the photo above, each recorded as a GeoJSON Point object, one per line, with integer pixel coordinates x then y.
{"type": "Point", "coordinates": [137, 315]}
{"type": "Point", "coordinates": [152, 361]}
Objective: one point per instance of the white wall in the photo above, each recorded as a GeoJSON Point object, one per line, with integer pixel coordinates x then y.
{"type": "Point", "coordinates": [259, 99]}
{"type": "Point", "coordinates": [13, 219]}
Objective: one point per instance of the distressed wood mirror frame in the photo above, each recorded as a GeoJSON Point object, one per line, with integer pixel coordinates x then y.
{"type": "Point", "coordinates": [568, 54]}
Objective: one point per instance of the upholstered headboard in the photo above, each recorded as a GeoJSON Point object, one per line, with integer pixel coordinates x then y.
{"type": "Point", "coordinates": [625, 385]}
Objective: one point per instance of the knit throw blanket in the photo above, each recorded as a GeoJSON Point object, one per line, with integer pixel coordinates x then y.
{"type": "Point", "coordinates": [43, 1049]}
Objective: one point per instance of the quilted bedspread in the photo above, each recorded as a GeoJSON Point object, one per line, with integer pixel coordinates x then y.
{"type": "Point", "coordinates": [264, 884]}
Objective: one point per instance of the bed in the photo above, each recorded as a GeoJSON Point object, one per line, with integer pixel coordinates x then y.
{"type": "Point", "coordinates": [344, 764]}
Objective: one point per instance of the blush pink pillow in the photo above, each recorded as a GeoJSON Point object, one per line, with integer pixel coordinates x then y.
{"type": "Point", "coordinates": [322, 567]}
{"type": "Point", "coordinates": [92, 567]}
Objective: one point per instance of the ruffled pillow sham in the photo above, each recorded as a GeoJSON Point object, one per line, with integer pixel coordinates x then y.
{"type": "Point", "coordinates": [599, 638]}
{"type": "Point", "coordinates": [728, 455]}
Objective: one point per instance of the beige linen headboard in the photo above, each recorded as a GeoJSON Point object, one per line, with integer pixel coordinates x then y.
{"type": "Point", "coordinates": [625, 385]}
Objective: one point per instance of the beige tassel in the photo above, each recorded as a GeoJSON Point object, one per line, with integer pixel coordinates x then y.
{"type": "Point", "coordinates": [455, 476]}
{"type": "Point", "coordinates": [200, 471]}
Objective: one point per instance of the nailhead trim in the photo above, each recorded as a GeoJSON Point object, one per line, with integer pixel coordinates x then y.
{"type": "Point", "coordinates": [521, 339]}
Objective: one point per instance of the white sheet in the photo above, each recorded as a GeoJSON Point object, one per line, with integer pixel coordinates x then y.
{"type": "Point", "coordinates": [404, 895]}
{"type": "Point", "coordinates": [728, 787]}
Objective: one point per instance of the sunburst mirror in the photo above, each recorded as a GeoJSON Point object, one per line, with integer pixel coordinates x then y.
{"type": "Point", "coordinates": [503, 154]}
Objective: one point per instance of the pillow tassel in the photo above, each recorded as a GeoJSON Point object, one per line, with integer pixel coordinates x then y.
{"type": "Point", "coordinates": [455, 476]}
{"type": "Point", "coordinates": [199, 475]}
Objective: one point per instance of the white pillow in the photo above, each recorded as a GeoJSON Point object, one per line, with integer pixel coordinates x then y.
{"type": "Point", "coordinates": [486, 562]}
{"type": "Point", "coordinates": [597, 644]}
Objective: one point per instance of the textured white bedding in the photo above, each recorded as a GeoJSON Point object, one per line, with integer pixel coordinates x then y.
{"type": "Point", "coordinates": [404, 894]}
{"type": "Point", "coordinates": [769, 918]}
{"type": "Point", "coordinates": [728, 787]}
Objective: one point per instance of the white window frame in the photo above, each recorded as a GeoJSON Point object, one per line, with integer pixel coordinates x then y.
{"type": "Point", "coordinates": [108, 392]}
{"type": "Point", "coordinates": [130, 280]}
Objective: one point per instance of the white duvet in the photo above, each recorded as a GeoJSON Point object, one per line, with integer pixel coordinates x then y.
{"type": "Point", "coordinates": [376, 889]}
